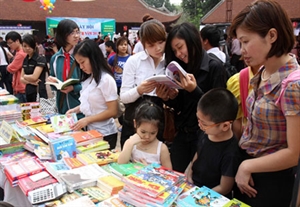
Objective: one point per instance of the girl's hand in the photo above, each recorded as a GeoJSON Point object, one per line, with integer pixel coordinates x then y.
{"type": "Point", "coordinates": [80, 124]}
{"type": "Point", "coordinates": [135, 139]}
{"type": "Point", "coordinates": [164, 92]}
{"type": "Point", "coordinates": [244, 180]}
{"type": "Point", "coordinates": [187, 82]}
{"type": "Point", "coordinates": [52, 79]}
{"type": "Point", "coordinates": [146, 87]}
{"type": "Point", "coordinates": [67, 89]}
{"type": "Point", "coordinates": [36, 82]}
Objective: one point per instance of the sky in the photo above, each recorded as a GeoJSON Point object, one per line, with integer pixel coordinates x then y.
{"type": "Point", "coordinates": [175, 1]}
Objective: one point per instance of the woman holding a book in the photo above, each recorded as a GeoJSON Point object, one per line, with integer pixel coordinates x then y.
{"type": "Point", "coordinates": [63, 67]}
{"type": "Point", "coordinates": [98, 96]}
{"type": "Point", "coordinates": [137, 69]}
{"type": "Point", "coordinates": [184, 46]}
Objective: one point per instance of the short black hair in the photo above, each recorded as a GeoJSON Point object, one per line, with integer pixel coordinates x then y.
{"type": "Point", "coordinates": [212, 34]}
{"type": "Point", "coordinates": [14, 36]}
{"type": "Point", "coordinates": [219, 104]}
{"type": "Point", "coordinates": [64, 28]}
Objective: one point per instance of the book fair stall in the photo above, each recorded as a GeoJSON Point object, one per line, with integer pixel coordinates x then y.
{"type": "Point", "coordinates": [44, 163]}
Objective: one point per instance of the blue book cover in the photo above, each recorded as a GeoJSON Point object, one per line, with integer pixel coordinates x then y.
{"type": "Point", "coordinates": [203, 196]}
{"type": "Point", "coordinates": [63, 147]}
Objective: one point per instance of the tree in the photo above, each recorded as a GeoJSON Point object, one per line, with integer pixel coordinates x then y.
{"type": "Point", "coordinates": [161, 3]}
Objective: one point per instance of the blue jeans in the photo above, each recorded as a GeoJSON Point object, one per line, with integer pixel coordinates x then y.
{"type": "Point", "coordinates": [21, 97]}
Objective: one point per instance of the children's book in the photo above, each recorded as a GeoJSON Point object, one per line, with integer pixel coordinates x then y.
{"type": "Point", "coordinates": [93, 147]}
{"type": "Point", "coordinates": [43, 152]}
{"type": "Point", "coordinates": [32, 121]}
{"type": "Point", "coordinates": [63, 147]}
{"type": "Point", "coordinates": [94, 193]}
{"type": "Point", "coordinates": [203, 196]}
{"type": "Point", "coordinates": [171, 75]}
{"type": "Point", "coordinates": [63, 123]}
{"type": "Point", "coordinates": [99, 157]}
{"type": "Point", "coordinates": [69, 197]}
{"type": "Point", "coordinates": [87, 137]}
{"type": "Point", "coordinates": [110, 184]}
{"type": "Point", "coordinates": [10, 148]}
{"type": "Point", "coordinates": [125, 169]}
{"type": "Point", "coordinates": [56, 168]}
{"type": "Point", "coordinates": [61, 85]}
{"type": "Point", "coordinates": [8, 99]}
{"type": "Point", "coordinates": [45, 129]}
{"type": "Point", "coordinates": [81, 177]}
{"type": "Point", "coordinates": [235, 203]}
{"type": "Point", "coordinates": [72, 162]}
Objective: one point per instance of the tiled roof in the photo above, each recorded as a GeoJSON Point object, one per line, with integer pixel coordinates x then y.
{"type": "Point", "coordinates": [218, 13]}
{"type": "Point", "coordinates": [129, 11]}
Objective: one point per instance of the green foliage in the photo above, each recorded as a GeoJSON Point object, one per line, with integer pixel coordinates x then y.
{"type": "Point", "coordinates": [159, 3]}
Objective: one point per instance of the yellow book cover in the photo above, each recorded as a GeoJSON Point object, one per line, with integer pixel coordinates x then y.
{"type": "Point", "coordinates": [105, 156]}
{"type": "Point", "coordinates": [86, 159]}
{"type": "Point", "coordinates": [45, 129]}
{"type": "Point", "coordinates": [111, 181]}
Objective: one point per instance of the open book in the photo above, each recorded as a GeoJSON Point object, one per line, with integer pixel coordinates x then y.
{"type": "Point", "coordinates": [171, 74]}
{"type": "Point", "coordinates": [61, 85]}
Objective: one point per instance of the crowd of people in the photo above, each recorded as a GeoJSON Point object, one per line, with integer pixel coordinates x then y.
{"type": "Point", "coordinates": [231, 134]}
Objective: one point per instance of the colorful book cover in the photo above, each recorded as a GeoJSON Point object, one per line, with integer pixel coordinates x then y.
{"type": "Point", "coordinates": [45, 129]}
{"type": "Point", "coordinates": [67, 197]}
{"type": "Point", "coordinates": [26, 184]}
{"type": "Point", "coordinates": [86, 158]}
{"type": "Point", "coordinates": [85, 176]}
{"type": "Point", "coordinates": [110, 184]}
{"type": "Point", "coordinates": [105, 156]}
{"type": "Point", "coordinates": [94, 193]}
{"type": "Point", "coordinates": [93, 147]}
{"type": "Point", "coordinates": [12, 147]}
{"type": "Point", "coordinates": [125, 169]}
{"type": "Point", "coordinates": [87, 137]}
{"type": "Point", "coordinates": [63, 123]}
{"type": "Point", "coordinates": [32, 121]}
{"type": "Point", "coordinates": [56, 168]}
{"type": "Point", "coordinates": [8, 99]}
{"type": "Point", "coordinates": [201, 196]}
{"type": "Point", "coordinates": [72, 162]}
{"type": "Point", "coordinates": [63, 147]}
{"type": "Point", "coordinates": [235, 203]}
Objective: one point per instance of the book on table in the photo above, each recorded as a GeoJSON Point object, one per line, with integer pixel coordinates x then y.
{"type": "Point", "coordinates": [63, 122]}
{"type": "Point", "coordinates": [171, 75]}
{"type": "Point", "coordinates": [81, 201]}
{"type": "Point", "coordinates": [100, 157]}
{"type": "Point", "coordinates": [94, 193]}
{"type": "Point", "coordinates": [60, 85]}
{"type": "Point", "coordinates": [81, 177]}
{"type": "Point", "coordinates": [56, 168]}
{"type": "Point", "coordinates": [72, 162]}
{"type": "Point", "coordinates": [113, 201]}
{"type": "Point", "coordinates": [63, 147]}
{"type": "Point", "coordinates": [110, 184]}
{"type": "Point", "coordinates": [125, 169]}
{"type": "Point", "coordinates": [235, 202]}
{"type": "Point", "coordinates": [87, 137]}
{"type": "Point", "coordinates": [93, 147]}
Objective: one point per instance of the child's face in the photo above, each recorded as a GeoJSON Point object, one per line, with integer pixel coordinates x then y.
{"type": "Point", "coordinates": [147, 131]}
{"type": "Point", "coordinates": [205, 123]}
{"type": "Point", "coordinates": [84, 63]}
{"type": "Point", "coordinates": [122, 48]}
{"type": "Point", "coordinates": [155, 50]}
{"type": "Point", "coordinates": [180, 49]}
{"type": "Point", "coordinates": [74, 37]}
{"type": "Point", "coordinates": [27, 49]}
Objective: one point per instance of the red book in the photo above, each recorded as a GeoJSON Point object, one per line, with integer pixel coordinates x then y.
{"type": "Point", "coordinates": [23, 168]}
{"type": "Point", "coordinates": [87, 137]}
{"type": "Point", "coordinates": [26, 184]}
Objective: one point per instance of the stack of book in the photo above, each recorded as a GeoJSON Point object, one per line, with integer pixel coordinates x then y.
{"type": "Point", "coordinates": [155, 186]}
{"type": "Point", "coordinates": [22, 168]}
{"type": "Point", "coordinates": [81, 177]}
{"type": "Point", "coordinates": [63, 147]}
{"type": "Point", "coordinates": [93, 147]}
{"type": "Point", "coordinates": [110, 184]}
{"type": "Point", "coordinates": [235, 203]}
{"type": "Point", "coordinates": [30, 110]}
{"type": "Point", "coordinates": [99, 157]}
{"type": "Point", "coordinates": [94, 193]}
{"type": "Point", "coordinates": [8, 99]}
{"type": "Point", "coordinates": [203, 196]}
{"type": "Point", "coordinates": [83, 138]}
{"type": "Point", "coordinates": [122, 170]}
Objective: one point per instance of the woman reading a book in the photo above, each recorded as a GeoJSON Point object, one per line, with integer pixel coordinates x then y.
{"type": "Point", "coordinates": [98, 96]}
{"type": "Point", "coordinates": [184, 46]}
{"type": "Point", "coordinates": [137, 69]}
{"type": "Point", "coordinates": [270, 143]}
{"type": "Point", "coordinates": [34, 70]}
{"type": "Point", "coordinates": [143, 146]}
{"type": "Point", "coordinates": [63, 67]}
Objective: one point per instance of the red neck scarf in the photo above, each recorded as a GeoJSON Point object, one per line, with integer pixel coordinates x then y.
{"type": "Point", "coordinates": [66, 66]}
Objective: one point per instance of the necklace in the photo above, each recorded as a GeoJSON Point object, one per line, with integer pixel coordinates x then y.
{"type": "Point", "coordinates": [262, 76]}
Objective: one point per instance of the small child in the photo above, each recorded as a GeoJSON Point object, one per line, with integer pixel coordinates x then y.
{"type": "Point", "coordinates": [217, 158]}
{"type": "Point", "coordinates": [144, 146]}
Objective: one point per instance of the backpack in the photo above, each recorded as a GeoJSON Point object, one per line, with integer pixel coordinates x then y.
{"type": "Point", "coordinates": [230, 69]}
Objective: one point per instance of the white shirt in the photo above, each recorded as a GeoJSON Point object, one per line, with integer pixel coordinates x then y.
{"type": "Point", "coordinates": [93, 100]}
{"type": "Point", "coordinates": [137, 155]}
{"type": "Point", "coordinates": [2, 56]}
{"type": "Point", "coordinates": [217, 52]}
{"type": "Point", "coordinates": [236, 47]}
{"type": "Point", "coordinates": [138, 47]}
{"type": "Point", "coordinates": [102, 47]}
{"type": "Point", "coordinates": [137, 68]}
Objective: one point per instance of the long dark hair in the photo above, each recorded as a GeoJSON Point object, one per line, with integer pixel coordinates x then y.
{"type": "Point", "coordinates": [30, 41]}
{"type": "Point", "coordinates": [90, 49]}
{"type": "Point", "coordinates": [189, 33]}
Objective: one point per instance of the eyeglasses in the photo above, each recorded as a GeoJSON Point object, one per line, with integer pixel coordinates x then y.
{"type": "Point", "coordinates": [9, 42]}
{"type": "Point", "coordinates": [206, 127]}
{"type": "Point", "coordinates": [75, 33]}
